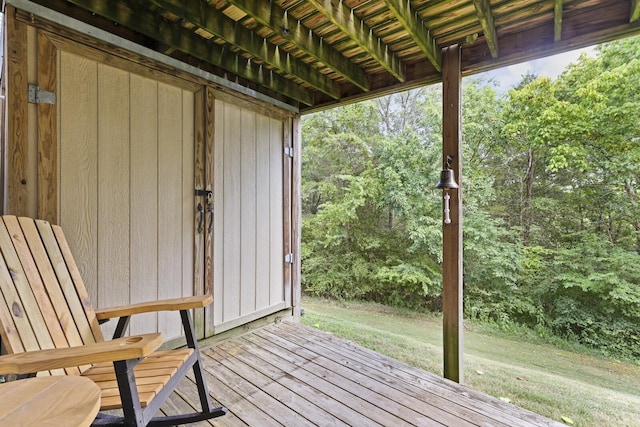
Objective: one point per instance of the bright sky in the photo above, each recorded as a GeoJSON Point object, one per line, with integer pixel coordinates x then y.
{"type": "Point", "coordinates": [551, 66]}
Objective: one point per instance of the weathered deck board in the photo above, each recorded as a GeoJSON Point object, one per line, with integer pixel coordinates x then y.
{"type": "Point", "coordinates": [293, 375]}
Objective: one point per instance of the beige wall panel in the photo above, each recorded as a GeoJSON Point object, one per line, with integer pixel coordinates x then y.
{"type": "Point", "coordinates": [126, 185]}
{"type": "Point", "coordinates": [144, 199]}
{"type": "Point", "coordinates": [218, 222]}
{"type": "Point", "coordinates": [231, 212]}
{"type": "Point", "coordinates": [248, 213]}
{"type": "Point", "coordinates": [113, 177]}
{"type": "Point", "coordinates": [188, 188]}
{"type": "Point", "coordinates": [276, 212]}
{"type": "Point", "coordinates": [170, 203]}
{"type": "Point", "coordinates": [78, 162]}
{"type": "Point", "coordinates": [263, 223]}
{"type": "Point", "coordinates": [248, 231]}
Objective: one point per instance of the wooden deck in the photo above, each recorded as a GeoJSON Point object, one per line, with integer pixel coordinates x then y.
{"type": "Point", "coordinates": [293, 375]}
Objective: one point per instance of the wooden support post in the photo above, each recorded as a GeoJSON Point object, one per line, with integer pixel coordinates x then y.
{"type": "Point", "coordinates": [452, 233]}
{"type": "Point", "coordinates": [18, 184]}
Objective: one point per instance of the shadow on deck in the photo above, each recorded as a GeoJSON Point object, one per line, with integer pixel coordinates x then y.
{"type": "Point", "coordinates": [293, 375]}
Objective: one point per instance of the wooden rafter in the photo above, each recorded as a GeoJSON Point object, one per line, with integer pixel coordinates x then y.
{"type": "Point", "coordinates": [216, 23]}
{"type": "Point", "coordinates": [635, 11]}
{"type": "Point", "coordinates": [557, 20]}
{"type": "Point", "coordinates": [175, 36]}
{"type": "Point", "coordinates": [343, 17]}
{"type": "Point", "coordinates": [274, 17]}
{"type": "Point", "coordinates": [483, 10]}
{"type": "Point", "coordinates": [407, 16]}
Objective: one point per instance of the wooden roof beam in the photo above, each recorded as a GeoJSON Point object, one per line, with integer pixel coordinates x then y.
{"type": "Point", "coordinates": [557, 20]}
{"type": "Point", "coordinates": [635, 11]}
{"type": "Point", "coordinates": [408, 17]}
{"type": "Point", "coordinates": [270, 15]}
{"type": "Point", "coordinates": [344, 18]}
{"type": "Point", "coordinates": [184, 40]}
{"type": "Point", "coordinates": [216, 23]}
{"type": "Point", "coordinates": [483, 10]}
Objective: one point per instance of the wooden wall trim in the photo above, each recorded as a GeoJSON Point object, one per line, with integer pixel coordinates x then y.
{"type": "Point", "coordinates": [452, 233]}
{"type": "Point", "coordinates": [296, 216]}
{"type": "Point", "coordinates": [199, 178]}
{"type": "Point", "coordinates": [17, 184]}
{"type": "Point", "coordinates": [240, 321]}
{"type": "Point", "coordinates": [209, 152]}
{"type": "Point", "coordinates": [47, 133]}
{"type": "Point", "coordinates": [287, 220]}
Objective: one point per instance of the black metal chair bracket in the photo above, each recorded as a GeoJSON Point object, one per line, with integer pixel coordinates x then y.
{"type": "Point", "coordinates": [139, 416]}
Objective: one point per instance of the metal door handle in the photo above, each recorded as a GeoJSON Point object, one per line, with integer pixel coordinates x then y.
{"type": "Point", "coordinates": [201, 220]}
{"type": "Point", "coordinates": [210, 210]}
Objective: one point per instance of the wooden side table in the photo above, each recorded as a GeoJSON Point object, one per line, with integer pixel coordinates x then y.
{"type": "Point", "coordinates": [49, 401]}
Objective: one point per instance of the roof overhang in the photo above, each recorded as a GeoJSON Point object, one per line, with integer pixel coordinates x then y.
{"type": "Point", "coordinates": [313, 54]}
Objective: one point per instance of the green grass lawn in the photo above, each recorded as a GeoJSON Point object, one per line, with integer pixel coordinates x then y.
{"type": "Point", "coordinates": [580, 386]}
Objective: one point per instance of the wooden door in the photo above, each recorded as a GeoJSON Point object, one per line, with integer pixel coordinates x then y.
{"type": "Point", "coordinates": [126, 185]}
{"type": "Point", "coordinates": [252, 231]}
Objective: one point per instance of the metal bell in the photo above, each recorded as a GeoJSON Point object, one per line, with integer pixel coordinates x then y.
{"type": "Point", "coordinates": [447, 181]}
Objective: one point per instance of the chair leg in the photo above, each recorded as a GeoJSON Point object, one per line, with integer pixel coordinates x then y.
{"type": "Point", "coordinates": [133, 413]}
{"type": "Point", "coordinates": [192, 342]}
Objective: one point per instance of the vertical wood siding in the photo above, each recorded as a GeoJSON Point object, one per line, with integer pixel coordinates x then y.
{"type": "Point", "coordinates": [248, 233]}
{"type": "Point", "coordinates": [126, 185]}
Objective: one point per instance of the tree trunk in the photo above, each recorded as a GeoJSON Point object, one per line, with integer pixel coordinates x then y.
{"type": "Point", "coordinates": [525, 213]}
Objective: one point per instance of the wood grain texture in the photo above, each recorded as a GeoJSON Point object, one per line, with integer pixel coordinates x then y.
{"type": "Point", "coordinates": [143, 195]}
{"type": "Point", "coordinates": [17, 182]}
{"type": "Point", "coordinates": [170, 202]}
{"type": "Point", "coordinates": [452, 233]}
{"type": "Point", "coordinates": [231, 212]}
{"type": "Point", "coordinates": [49, 401]}
{"type": "Point", "coordinates": [276, 252]}
{"type": "Point", "coordinates": [278, 373]}
{"type": "Point", "coordinates": [78, 163]}
{"type": "Point", "coordinates": [81, 290]}
{"type": "Point", "coordinates": [152, 374]}
{"type": "Point", "coordinates": [133, 347]}
{"type": "Point", "coordinates": [47, 132]}
{"type": "Point", "coordinates": [248, 213]}
{"type": "Point", "coordinates": [174, 304]}
{"type": "Point", "coordinates": [113, 203]}
{"type": "Point", "coordinates": [210, 184]}
{"type": "Point", "coordinates": [188, 140]}
{"type": "Point", "coordinates": [263, 209]}
{"type": "Point", "coordinates": [219, 223]}
{"type": "Point", "coordinates": [198, 237]}
{"type": "Point", "coordinates": [17, 331]}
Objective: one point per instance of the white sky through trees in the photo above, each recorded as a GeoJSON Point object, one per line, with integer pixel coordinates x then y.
{"type": "Point", "coordinates": [551, 66]}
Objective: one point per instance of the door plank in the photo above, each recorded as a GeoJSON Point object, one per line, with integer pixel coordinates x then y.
{"type": "Point", "coordinates": [113, 177]}
{"type": "Point", "coordinates": [170, 203]}
{"type": "Point", "coordinates": [143, 228]}
{"type": "Point", "coordinates": [248, 213]}
{"type": "Point", "coordinates": [78, 163]}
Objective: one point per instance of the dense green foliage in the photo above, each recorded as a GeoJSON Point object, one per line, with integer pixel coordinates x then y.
{"type": "Point", "coordinates": [551, 181]}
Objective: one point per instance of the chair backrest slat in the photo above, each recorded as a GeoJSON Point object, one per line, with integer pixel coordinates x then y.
{"type": "Point", "coordinates": [75, 278]}
{"type": "Point", "coordinates": [15, 325]}
{"type": "Point", "coordinates": [51, 263]}
{"type": "Point", "coordinates": [30, 315]}
{"type": "Point", "coordinates": [44, 302]}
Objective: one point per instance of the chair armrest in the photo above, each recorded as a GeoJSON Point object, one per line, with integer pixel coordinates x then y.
{"type": "Point", "coordinates": [174, 304]}
{"type": "Point", "coordinates": [107, 351]}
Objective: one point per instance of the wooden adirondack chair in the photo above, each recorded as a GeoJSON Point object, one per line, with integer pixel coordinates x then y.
{"type": "Point", "coordinates": [50, 327]}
